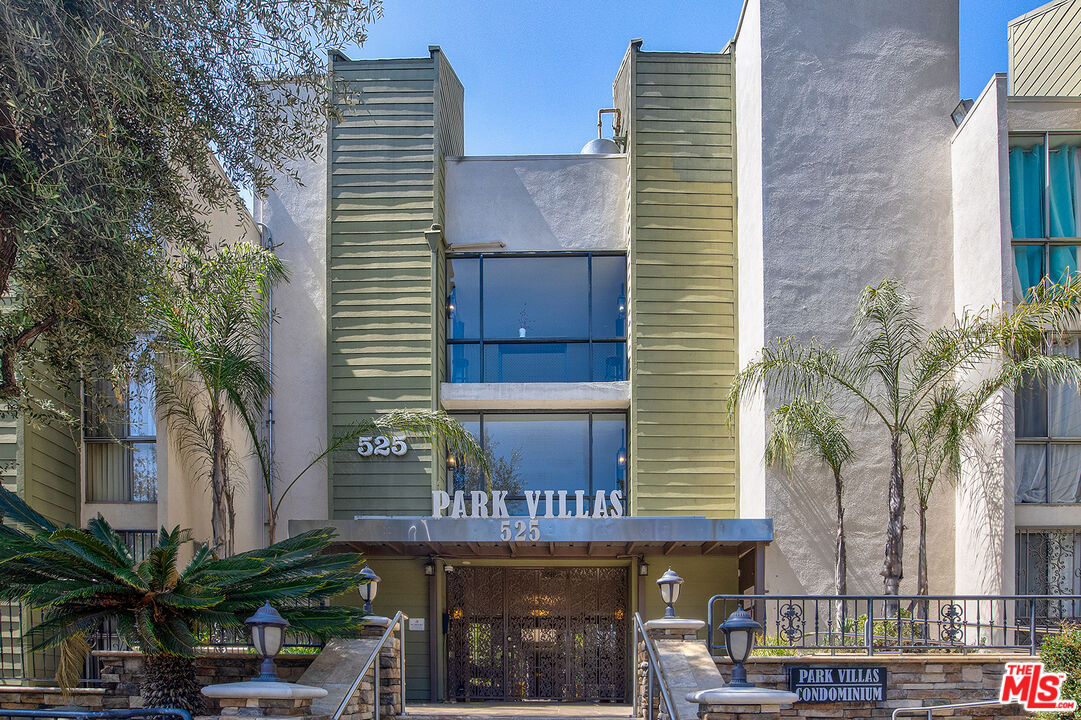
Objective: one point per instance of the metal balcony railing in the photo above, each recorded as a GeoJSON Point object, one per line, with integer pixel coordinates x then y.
{"type": "Point", "coordinates": [869, 625]}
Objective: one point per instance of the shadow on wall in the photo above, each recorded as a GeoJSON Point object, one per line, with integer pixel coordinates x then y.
{"type": "Point", "coordinates": [982, 496]}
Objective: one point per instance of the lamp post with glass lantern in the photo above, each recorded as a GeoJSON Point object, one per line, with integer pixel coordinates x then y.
{"type": "Point", "coordinates": [739, 635]}
{"type": "Point", "coordinates": [267, 635]}
{"type": "Point", "coordinates": [368, 587]}
{"type": "Point", "coordinates": [669, 584]}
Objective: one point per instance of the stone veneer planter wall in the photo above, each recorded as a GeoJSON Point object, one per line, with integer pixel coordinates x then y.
{"type": "Point", "coordinates": [912, 681]}
{"type": "Point", "coordinates": [122, 672]}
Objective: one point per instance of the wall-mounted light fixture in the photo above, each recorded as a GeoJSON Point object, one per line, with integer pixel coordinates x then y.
{"type": "Point", "coordinates": [959, 112]}
{"type": "Point", "coordinates": [643, 568]}
{"type": "Point", "coordinates": [448, 568]}
{"type": "Point", "coordinates": [452, 462]}
{"type": "Point", "coordinates": [429, 568]}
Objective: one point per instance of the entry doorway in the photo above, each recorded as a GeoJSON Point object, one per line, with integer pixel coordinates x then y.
{"type": "Point", "coordinates": [537, 633]}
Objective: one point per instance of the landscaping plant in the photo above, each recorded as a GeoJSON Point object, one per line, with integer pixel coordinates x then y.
{"type": "Point", "coordinates": [80, 579]}
{"type": "Point", "coordinates": [1061, 652]}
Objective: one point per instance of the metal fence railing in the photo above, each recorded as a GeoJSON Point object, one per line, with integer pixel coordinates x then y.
{"type": "Point", "coordinates": [893, 624]}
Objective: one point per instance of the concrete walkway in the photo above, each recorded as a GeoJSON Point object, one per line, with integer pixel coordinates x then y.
{"type": "Point", "coordinates": [515, 711]}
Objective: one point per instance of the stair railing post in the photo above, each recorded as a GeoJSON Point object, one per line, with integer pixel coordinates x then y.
{"type": "Point", "coordinates": [378, 651]}
{"type": "Point", "coordinates": [401, 664]}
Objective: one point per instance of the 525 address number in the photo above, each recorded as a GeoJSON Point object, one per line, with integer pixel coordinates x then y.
{"type": "Point", "coordinates": [382, 446]}
{"type": "Point", "coordinates": [522, 530]}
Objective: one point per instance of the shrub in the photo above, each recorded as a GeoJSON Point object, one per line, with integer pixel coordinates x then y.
{"type": "Point", "coordinates": [1061, 652]}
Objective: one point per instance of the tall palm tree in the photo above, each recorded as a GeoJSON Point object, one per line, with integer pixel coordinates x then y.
{"type": "Point", "coordinates": [82, 578]}
{"type": "Point", "coordinates": [810, 426]}
{"type": "Point", "coordinates": [894, 366]}
{"type": "Point", "coordinates": [210, 345]}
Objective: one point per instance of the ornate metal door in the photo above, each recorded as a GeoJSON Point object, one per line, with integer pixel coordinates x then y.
{"type": "Point", "coordinates": [537, 633]}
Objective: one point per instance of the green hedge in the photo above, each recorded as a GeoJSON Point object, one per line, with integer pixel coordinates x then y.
{"type": "Point", "coordinates": [1062, 653]}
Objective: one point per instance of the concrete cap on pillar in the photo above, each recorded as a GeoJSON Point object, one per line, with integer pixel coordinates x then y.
{"type": "Point", "coordinates": [742, 696]}
{"type": "Point", "coordinates": [675, 624]}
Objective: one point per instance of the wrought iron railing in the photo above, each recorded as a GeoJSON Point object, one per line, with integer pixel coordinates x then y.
{"type": "Point", "coordinates": [899, 623]}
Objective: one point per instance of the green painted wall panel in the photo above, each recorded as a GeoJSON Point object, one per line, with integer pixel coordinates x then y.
{"type": "Point", "coordinates": [48, 461]}
{"type": "Point", "coordinates": [400, 118]}
{"type": "Point", "coordinates": [683, 270]}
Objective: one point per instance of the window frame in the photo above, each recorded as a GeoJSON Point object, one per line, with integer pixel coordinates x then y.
{"type": "Point", "coordinates": [1046, 242]}
{"type": "Point", "coordinates": [126, 441]}
{"type": "Point", "coordinates": [591, 492]}
{"type": "Point", "coordinates": [481, 341]}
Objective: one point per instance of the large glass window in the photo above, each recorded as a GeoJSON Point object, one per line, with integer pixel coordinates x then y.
{"type": "Point", "coordinates": [536, 318]}
{"type": "Point", "coordinates": [1045, 207]}
{"type": "Point", "coordinates": [120, 434]}
{"type": "Point", "coordinates": [547, 451]}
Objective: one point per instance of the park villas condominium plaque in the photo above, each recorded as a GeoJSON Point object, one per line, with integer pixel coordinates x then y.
{"type": "Point", "coordinates": [816, 683]}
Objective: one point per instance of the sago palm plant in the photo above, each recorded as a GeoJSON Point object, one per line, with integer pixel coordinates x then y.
{"type": "Point", "coordinates": [894, 366]}
{"type": "Point", "coordinates": [80, 579]}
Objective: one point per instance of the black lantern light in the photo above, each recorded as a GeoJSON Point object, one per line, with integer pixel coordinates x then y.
{"type": "Point", "coordinates": [739, 634]}
{"type": "Point", "coordinates": [669, 584]}
{"type": "Point", "coordinates": [267, 635]}
{"type": "Point", "coordinates": [368, 586]}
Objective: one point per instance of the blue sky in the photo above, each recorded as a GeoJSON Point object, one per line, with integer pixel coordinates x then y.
{"type": "Point", "coordinates": [536, 72]}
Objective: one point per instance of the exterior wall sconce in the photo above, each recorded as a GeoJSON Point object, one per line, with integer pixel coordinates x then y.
{"type": "Point", "coordinates": [643, 568]}
{"type": "Point", "coordinates": [959, 112]}
{"type": "Point", "coordinates": [448, 568]}
{"type": "Point", "coordinates": [429, 568]}
{"type": "Point", "coordinates": [739, 635]}
{"type": "Point", "coordinates": [368, 587]}
{"type": "Point", "coordinates": [669, 585]}
{"type": "Point", "coordinates": [452, 462]}
{"type": "Point", "coordinates": [267, 636]}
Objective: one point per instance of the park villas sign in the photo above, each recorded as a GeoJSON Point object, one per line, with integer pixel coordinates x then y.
{"type": "Point", "coordinates": [555, 503]}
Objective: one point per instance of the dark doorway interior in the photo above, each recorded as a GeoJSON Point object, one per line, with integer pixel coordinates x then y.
{"type": "Point", "coordinates": [537, 633]}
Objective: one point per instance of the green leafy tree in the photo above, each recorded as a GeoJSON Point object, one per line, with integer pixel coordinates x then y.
{"type": "Point", "coordinates": [894, 367]}
{"type": "Point", "coordinates": [210, 351]}
{"type": "Point", "coordinates": [82, 578]}
{"type": "Point", "coordinates": [113, 120]}
{"type": "Point", "coordinates": [809, 426]}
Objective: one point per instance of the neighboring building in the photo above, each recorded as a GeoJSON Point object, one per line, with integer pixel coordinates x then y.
{"type": "Point", "coordinates": [584, 315]}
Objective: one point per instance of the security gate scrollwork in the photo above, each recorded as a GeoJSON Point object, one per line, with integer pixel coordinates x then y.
{"type": "Point", "coordinates": [537, 633]}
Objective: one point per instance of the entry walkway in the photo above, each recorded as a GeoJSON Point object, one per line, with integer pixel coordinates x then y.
{"type": "Point", "coordinates": [515, 711]}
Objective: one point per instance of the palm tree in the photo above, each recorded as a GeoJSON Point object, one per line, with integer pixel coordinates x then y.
{"type": "Point", "coordinates": [810, 426]}
{"type": "Point", "coordinates": [894, 366]}
{"type": "Point", "coordinates": [82, 578]}
{"type": "Point", "coordinates": [210, 344]}
{"type": "Point", "coordinates": [435, 426]}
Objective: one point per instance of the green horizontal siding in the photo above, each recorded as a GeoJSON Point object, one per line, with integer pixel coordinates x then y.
{"type": "Point", "coordinates": [683, 275]}
{"type": "Point", "coordinates": [385, 185]}
{"type": "Point", "coordinates": [48, 466]}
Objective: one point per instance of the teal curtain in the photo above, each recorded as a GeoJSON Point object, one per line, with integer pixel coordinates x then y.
{"type": "Point", "coordinates": [1026, 191]}
{"type": "Point", "coordinates": [1063, 201]}
{"type": "Point", "coordinates": [1029, 262]}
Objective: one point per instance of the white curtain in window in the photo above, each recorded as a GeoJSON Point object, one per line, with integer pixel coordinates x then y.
{"type": "Point", "coordinates": [1065, 476]}
{"type": "Point", "coordinates": [1029, 465]}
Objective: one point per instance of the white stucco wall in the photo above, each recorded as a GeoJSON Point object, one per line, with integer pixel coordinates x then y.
{"type": "Point", "coordinates": [1042, 114]}
{"type": "Point", "coordinates": [983, 272]}
{"type": "Point", "coordinates": [855, 181]}
{"type": "Point", "coordinates": [296, 216]}
{"type": "Point", "coordinates": [538, 203]}
{"type": "Point", "coordinates": [751, 301]}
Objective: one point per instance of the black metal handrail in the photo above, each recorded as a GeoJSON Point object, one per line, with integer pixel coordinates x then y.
{"type": "Point", "coordinates": [653, 673]}
{"type": "Point", "coordinates": [897, 623]}
{"type": "Point", "coordinates": [98, 714]}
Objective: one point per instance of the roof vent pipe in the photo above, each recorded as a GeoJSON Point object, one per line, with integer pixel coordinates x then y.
{"type": "Point", "coordinates": [602, 145]}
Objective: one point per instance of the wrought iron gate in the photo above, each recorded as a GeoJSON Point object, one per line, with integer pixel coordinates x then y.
{"type": "Point", "coordinates": [537, 633]}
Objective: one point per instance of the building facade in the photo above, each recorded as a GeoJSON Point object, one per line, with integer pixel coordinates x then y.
{"type": "Point", "coordinates": [584, 316]}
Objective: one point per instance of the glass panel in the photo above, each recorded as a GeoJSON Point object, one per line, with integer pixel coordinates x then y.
{"type": "Point", "coordinates": [469, 477]}
{"type": "Point", "coordinates": [1065, 476]}
{"type": "Point", "coordinates": [609, 452]}
{"type": "Point", "coordinates": [1026, 191]}
{"type": "Point", "coordinates": [541, 362]}
{"type": "Point", "coordinates": [1030, 411]}
{"type": "Point", "coordinates": [464, 362]}
{"type": "Point", "coordinates": [1063, 262]}
{"type": "Point", "coordinates": [1028, 269]}
{"type": "Point", "coordinates": [1064, 174]}
{"type": "Point", "coordinates": [144, 472]}
{"type": "Point", "coordinates": [543, 452]}
{"type": "Point", "coordinates": [107, 472]}
{"type": "Point", "coordinates": [141, 406]}
{"type": "Point", "coordinates": [1029, 473]}
{"type": "Point", "coordinates": [609, 297]}
{"type": "Point", "coordinates": [536, 297]}
{"type": "Point", "coordinates": [609, 361]}
{"type": "Point", "coordinates": [463, 298]}
{"type": "Point", "coordinates": [1064, 399]}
